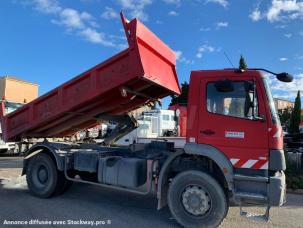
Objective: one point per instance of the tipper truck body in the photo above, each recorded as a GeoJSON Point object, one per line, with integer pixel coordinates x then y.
{"type": "Point", "coordinates": [143, 72]}
{"type": "Point", "coordinates": [233, 151]}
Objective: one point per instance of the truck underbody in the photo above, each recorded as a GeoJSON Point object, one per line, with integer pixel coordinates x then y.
{"type": "Point", "coordinates": [152, 169]}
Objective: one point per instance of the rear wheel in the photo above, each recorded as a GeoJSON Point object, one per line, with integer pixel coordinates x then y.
{"type": "Point", "coordinates": [43, 178]}
{"type": "Point", "coordinates": [197, 200]}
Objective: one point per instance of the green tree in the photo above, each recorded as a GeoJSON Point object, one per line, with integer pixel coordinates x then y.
{"type": "Point", "coordinates": [242, 63]}
{"type": "Point", "coordinates": [285, 116]}
{"type": "Point", "coordinates": [182, 98]}
{"type": "Point", "coordinates": [296, 116]}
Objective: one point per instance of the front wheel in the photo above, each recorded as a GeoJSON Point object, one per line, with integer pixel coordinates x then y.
{"type": "Point", "coordinates": [196, 199]}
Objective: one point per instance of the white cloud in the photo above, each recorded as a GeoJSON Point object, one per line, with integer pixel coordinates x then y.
{"type": "Point", "coordinates": [301, 33]}
{"type": "Point", "coordinates": [283, 59]}
{"type": "Point", "coordinates": [181, 58]}
{"type": "Point", "coordinates": [174, 2]}
{"type": "Point", "coordinates": [286, 90]}
{"type": "Point", "coordinates": [223, 3]}
{"type": "Point", "coordinates": [95, 37]}
{"type": "Point", "coordinates": [255, 14]}
{"type": "Point", "coordinates": [288, 35]}
{"type": "Point", "coordinates": [75, 22]}
{"type": "Point", "coordinates": [218, 25]}
{"type": "Point", "coordinates": [221, 24]}
{"type": "Point", "coordinates": [178, 54]}
{"type": "Point", "coordinates": [205, 29]}
{"type": "Point", "coordinates": [284, 9]}
{"type": "Point", "coordinates": [205, 48]}
{"type": "Point", "coordinates": [173, 13]}
{"type": "Point", "coordinates": [298, 56]}
{"type": "Point", "coordinates": [136, 8]}
{"type": "Point", "coordinates": [199, 55]}
{"type": "Point", "coordinates": [109, 13]}
{"type": "Point", "coordinates": [47, 6]}
{"type": "Point", "coordinates": [279, 11]}
{"type": "Point", "coordinates": [281, 26]}
{"type": "Point", "coordinates": [73, 19]}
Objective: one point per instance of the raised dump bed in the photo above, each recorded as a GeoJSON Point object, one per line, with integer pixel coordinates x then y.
{"type": "Point", "coordinates": [144, 72]}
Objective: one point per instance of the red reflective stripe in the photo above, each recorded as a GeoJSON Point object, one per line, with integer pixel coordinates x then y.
{"type": "Point", "coordinates": [259, 164]}
{"type": "Point", "coordinates": [240, 163]}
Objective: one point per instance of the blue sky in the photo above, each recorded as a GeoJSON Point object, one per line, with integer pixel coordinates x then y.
{"type": "Point", "coordinates": [51, 41]}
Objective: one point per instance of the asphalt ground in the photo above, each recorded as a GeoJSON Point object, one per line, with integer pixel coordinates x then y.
{"type": "Point", "coordinates": [87, 205]}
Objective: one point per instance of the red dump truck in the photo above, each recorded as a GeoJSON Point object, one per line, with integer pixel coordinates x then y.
{"type": "Point", "coordinates": [234, 149]}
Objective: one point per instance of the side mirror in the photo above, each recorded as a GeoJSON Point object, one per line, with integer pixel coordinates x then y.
{"type": "Point", "coordinates": [224, 86]}
{"type": "Point", "coordinates": [285, 77]}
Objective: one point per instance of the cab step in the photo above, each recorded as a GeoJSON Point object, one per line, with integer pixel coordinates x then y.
{"type": "Point", "coordinates": [241, 177]}
{"type": "Point", "coordinates": [261, 201]}
{"type": "Point", "coordinates": [255, 216]}
{"type": "Point", "coordinates": [251, 196]}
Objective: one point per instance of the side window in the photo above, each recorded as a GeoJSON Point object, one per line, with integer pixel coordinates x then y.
{"type": "Point", "coordinates": [237, 102]}
{"type": "Point", "coordinates": [165, 117]}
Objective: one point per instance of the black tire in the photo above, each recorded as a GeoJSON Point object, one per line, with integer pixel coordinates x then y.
{"type": "Point", "coordinates": [55, 184]}
{"type": "Point", "coordinates": [62, 184]}
{"type": "Point", "coordinates": [215, 209]}
{"type": "Point", "coordinates": [42, 176]}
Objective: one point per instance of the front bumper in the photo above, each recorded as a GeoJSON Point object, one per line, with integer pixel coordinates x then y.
{"type": "Point", "coordinates": [277, 189]}
{"type": "Point", "coordinates": [277, 160]}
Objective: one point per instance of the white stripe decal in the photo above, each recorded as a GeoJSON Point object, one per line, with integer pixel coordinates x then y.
{"type": "Point", "coordinates": [249, 163]}
{"type": "Point", "coordinates": [278, 134]}
{"type": "Point", "coordinates": [265, 166]}
{"type": "Point", "coordinates": [234, 160]}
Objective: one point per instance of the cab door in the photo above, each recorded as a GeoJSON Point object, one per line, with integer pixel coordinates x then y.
{"type": "Point", "coordinates": [225, 123]}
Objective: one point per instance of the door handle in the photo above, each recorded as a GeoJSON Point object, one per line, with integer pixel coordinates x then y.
{"type": "Point", "coordinates": [207, 132]}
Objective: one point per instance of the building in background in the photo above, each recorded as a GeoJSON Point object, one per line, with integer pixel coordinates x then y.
{"type": "Point", "coordinates": [16, 90]}
{"type": "Point", "coordinates": [282, 104]}
{"type": "Point", "coordinates": [14, 93]}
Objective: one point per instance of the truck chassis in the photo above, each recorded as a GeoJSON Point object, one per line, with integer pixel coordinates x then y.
{"type": "Point", "coordinates": [196, 190]}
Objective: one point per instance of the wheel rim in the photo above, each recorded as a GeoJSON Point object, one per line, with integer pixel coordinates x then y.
{"type": "Point", "coordinates": [42, 174]}
{"type": "Point", "coordinates": [195, 200]}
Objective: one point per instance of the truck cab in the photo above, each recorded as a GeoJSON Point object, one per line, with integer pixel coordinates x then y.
{"type": "Point", "coordinates": [232, 111]}
{"type": "Point", "coordinates": [235, 113]}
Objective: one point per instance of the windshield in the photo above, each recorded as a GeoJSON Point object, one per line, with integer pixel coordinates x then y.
{"type": "Point", "coordinates": [274, 113]}
{"type": "Point", "coordinates": [11, 106]}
